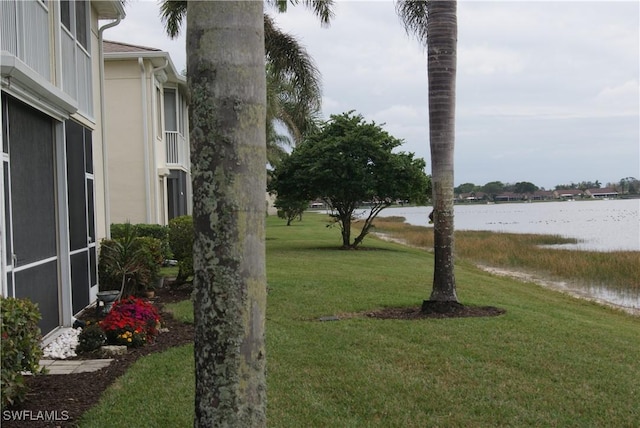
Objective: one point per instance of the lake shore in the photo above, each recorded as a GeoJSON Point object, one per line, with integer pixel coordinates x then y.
{"type": "Point", "coordinates": [596, 276]}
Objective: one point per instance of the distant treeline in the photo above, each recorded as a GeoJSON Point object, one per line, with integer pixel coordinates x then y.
{"type": "Point", "coordinates": [626, 186]}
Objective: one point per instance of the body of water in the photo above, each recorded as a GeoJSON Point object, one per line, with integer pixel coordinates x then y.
{"type": "Point", "coordinates": [599, 225]}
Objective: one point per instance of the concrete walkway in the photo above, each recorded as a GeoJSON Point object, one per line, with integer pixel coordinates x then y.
{"type": "Point", "coordinates": [74, 366]}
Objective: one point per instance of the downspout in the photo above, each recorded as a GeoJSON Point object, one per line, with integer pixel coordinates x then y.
{"type": "Point", "coordinates": [153, 149]}
{"type": "Point", "coordinates": [103, 127]}
{"type": "Point", "coordinates": [145, 139]}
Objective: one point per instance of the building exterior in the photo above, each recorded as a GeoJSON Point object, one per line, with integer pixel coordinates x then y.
{"type": "Point", "coordinates": [568, 194]}
{"type": "Point", "coordinates": [603, 193]}
{"type": "Point", "coordinates": [147, 134]}
{"type": "Point", "coordinates": [472, 197]}
{"type": "Point", "coordinates": [542, 195]}
{"type": "Point", "coordinates": [53, 209]}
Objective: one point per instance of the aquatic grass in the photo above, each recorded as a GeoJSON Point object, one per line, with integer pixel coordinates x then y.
{"type": "Point", "coordinates": [551, 360]}
{"type": "Point", "coordinates": [530, 253]}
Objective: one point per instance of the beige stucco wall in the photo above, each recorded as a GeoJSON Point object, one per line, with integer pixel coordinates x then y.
{"type": "Point", "coordinates": [125, 135]}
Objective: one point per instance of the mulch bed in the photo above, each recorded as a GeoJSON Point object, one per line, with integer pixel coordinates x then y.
{"type": "Point", "coordinates": [414, 313]}
{"type": "Point", "coordinates": [70, 395]}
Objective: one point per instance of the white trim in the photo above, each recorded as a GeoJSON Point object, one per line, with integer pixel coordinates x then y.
{"type": "Point", "coordinates": [65, 299]}
{"type": "Point", "coordinates": [3, 246]}
{"type": "Point", "coordinates": [78, 251]}
{"type": "Point", "coordinates": [56, 39]}
{"type": "Point", "coordinates": [34, 264]}
{"type": "Point", "coordinates": [19, 80]}
{"type": "Point", "coordinates": [161, 77]}
{"type": "Point", "coordinates": [6, 268]}
{"type": "Point", "coordinates": [145, 138]}
{"type": "Point", "coordinates": [103, 131]}
{"type": "Point", "coordinates": [156, 57]}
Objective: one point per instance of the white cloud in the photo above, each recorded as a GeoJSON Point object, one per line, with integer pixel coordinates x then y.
{"type": "Point", "coordinates": [539, 83]}
{"type": "Point", "coordinates": [482, 59]}
{"type": "Point", "coordinates": [624, 98]}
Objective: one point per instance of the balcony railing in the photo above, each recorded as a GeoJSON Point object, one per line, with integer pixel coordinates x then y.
{"type": "Point", "coordinates": [177, 149]}
{"type": "Point", "coordinates": [24, 33]}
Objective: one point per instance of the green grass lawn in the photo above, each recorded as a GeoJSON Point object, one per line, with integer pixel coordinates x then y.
{"type": "Point", "coordinates": [551, 360]}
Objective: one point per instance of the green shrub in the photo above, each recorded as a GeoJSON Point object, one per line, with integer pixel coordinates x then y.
{"type": "Point", "coordinates": [91, 338]}
{"type": "Point", "coordinates": [154, 257]}
{"type": "Point", "coordinates": [181, 242]}
{"type": "Point", "coordinates": [129, 263]}
{"type": "Point", "coordinates": [20, 347]}
{"type": "Point", "coordinates": [118, 231]}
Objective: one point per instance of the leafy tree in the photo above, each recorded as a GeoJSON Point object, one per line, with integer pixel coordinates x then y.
{"type": "Point", "coordinates": [566, 186]}
{"type": "Point", "coordinates": [290, 208]}
{"type": "Point", "coordinates": [525, 187]}
{"type": "Point", "coordinates": [584, 185]}
{"type": "Point", "coordinates": [349, 162]}
{"type": "Point", "coordinates": [493, 188]}
{"type": "Point", "coordinates": [629, 185]}
{"type": "Point", "coordinates": [435, 24]}
{"type": "Point", "coordinates": [465, 188]}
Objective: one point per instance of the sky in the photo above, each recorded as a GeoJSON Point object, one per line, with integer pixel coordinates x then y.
{"type": "Point", "coordinates": [547, 91]}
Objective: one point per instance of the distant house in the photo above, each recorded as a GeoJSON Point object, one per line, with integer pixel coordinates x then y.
{"type": "Point", "coordinates": [148, 135]}
{"type": "Point", "coordinates": [472, 197]}
{"type": "Point", "coordinates": [507, 197]}
{"type": "Point", "coordinates": [53, 207]}
{"type": "Point", "coordinates": [541, 195]}
{"type": "Point", "coordinates": [603, 193]}
{"type": "Point", "coordinates": [568, 193]}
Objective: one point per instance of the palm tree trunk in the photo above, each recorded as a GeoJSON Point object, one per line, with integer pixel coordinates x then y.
{"type": "Point", "coordinates": [441, 53]}
{"type": "Point", "coordinates": [225, 51]}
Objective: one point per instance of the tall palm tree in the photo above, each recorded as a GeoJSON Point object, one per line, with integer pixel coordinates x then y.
{"type": "Point", "coordinates": [293, 80]}
{"type": "Point", "coordinates": [226, 78]}
{"type": "Point", "coordinates": [227, 81]}
{"type": "Point", "coordinates": [435, 25]}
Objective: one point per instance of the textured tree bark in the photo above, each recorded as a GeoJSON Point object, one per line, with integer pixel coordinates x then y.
{"type": "Point", "coordinates": [225, 55]}
{"type": "Point", "coordinates": [441, 56]}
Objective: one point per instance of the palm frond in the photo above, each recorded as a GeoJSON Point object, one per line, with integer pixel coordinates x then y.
{"type": "Point", "coordinates": [413, 14]}
{"type": "Point", "coordinates": [173, 13]}
{"type": "Point", "coordinates": [290, 61]}
{"type": "Point", "coordinates": [323, 9]}
{"type": "Point", "coordinates": [294, 93]}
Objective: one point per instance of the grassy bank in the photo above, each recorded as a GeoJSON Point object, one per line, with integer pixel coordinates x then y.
{"type": "Point", "coordinates": [527, 252]}
{"type": "Point", "coordinates": [551, 360]}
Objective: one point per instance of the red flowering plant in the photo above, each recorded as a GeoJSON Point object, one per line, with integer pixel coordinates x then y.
{"type": "Point", "coordinates": [132, 322]}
